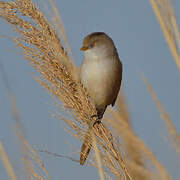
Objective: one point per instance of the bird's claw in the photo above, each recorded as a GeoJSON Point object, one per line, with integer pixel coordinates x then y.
{"type": "Point", "coordinates": [93, 121]}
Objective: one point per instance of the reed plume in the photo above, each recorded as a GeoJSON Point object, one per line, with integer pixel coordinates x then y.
{"type": "Point", "coordinates": [165, 14]}
{"type": "Point", "coordinates": [119, 153]}
{"type": "Point", "coordinates": [44, 51]}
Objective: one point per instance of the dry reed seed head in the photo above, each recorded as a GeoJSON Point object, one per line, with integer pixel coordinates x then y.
{"type": "Point", "coordinates": [6, 163]}
{"type": "Point", "coordinates": [44, 51]}
{"type": "Point", "coordinates": [165, 14]}
{"type": "Point", "coordinates": [138, 154]}
{"type": "Point", "coordinates": [171, 129]}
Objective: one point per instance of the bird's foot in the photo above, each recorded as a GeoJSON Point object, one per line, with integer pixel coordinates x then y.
{"type": "Point", "coordinates": [94, 116]}
{"type": "Point", "coordinates": [94, 121]}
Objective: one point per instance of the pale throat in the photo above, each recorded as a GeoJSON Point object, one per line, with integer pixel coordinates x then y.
{"type": "Point", "coordinates": [96, 52]}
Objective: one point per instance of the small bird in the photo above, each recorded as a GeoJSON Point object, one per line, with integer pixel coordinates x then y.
{"type": "Point", "coordinates": [101, 75]}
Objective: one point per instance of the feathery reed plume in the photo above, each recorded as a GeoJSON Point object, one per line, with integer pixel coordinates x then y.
{"type": "Point", "coordinates": [171, 129]}
{"type": "Point", "coordinates": [58, 74]}
{"type": "Point", "coordinates": [7, 163]}
{"type": "Point", "coordinates": [165, 14]}
{"type": "Point", "coordinates": [30, 158]}
{"type": "Point", "coordinates": [138, 161]}
{"type": "Point", "coordinates": [132, 151]}
{"type": "Point", "coordinates": [44, 51]}
{"type": "Point", "coordinates": [97, 155]}
{"type": "Point", "coordinates": [34, 166]}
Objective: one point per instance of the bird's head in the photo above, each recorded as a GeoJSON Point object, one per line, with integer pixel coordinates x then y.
{"type": "Point", "coordinates": [98, 44]}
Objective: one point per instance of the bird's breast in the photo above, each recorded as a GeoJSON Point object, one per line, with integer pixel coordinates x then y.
{"type": "Point", "coordinates": [99, 76]}
{"type": "Point", "coordinates": [94, 72]}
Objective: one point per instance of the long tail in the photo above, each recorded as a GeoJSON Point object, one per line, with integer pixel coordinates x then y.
{"type": "Point", "coordinates": [87, 144]}
{"type": "Point", "coordinates": [86, 147]}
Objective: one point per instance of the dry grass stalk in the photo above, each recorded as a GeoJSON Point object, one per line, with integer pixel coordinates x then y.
{"type": "Point", "coordinates": [164, 12]}
{"type": "Point", "coordinates": [171, 129]}
{"type": "Point", "coordinates": [7, 163]}
{"type": "Point", "coordinates": [59, 25]}
{"type": "Point", "coordinates": [138, 169]}
{"type": "Point", "coordinates": [139, 160]}
{"type": "Point", "coordinates": [29, 156]}
{"type": "Point", "coordinates": [33, 164]}
{"type": "Point", "coordinates": [132, 151]}
{"type": "Point", "coordinates": [97, 155]}
{"type": "Point", "coordinates": [43, 49]}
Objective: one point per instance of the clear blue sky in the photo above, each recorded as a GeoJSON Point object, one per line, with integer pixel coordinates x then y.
{"type": "Point", "coordinates": [142, 49]}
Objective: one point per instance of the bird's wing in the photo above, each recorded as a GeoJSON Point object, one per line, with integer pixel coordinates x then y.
{"type": "Point", "coordinates": [118, 80]}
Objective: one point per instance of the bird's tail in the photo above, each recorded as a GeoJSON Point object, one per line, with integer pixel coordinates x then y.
{"type": "Point", "coordinates": [86, 147]}
{"type": "Point", "coordinates": [87, 143]}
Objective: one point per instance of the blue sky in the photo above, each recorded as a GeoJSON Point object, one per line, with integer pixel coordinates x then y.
{"type": "Point", "coordinates": [142, 49]}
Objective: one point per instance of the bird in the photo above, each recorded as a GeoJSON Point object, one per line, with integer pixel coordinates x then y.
{"type": "Point", "coordinates": [101, 75]}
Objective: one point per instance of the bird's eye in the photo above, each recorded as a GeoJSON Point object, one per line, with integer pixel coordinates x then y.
{"type": "Point", "coordinates": [91, 45]}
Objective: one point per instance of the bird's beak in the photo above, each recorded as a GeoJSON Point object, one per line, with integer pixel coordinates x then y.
{"type": "Point", "coordinates": [84, 48]}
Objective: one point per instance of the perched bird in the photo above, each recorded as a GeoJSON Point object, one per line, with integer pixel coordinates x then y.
{"type": "Point", "coordinates": [101, 74]}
